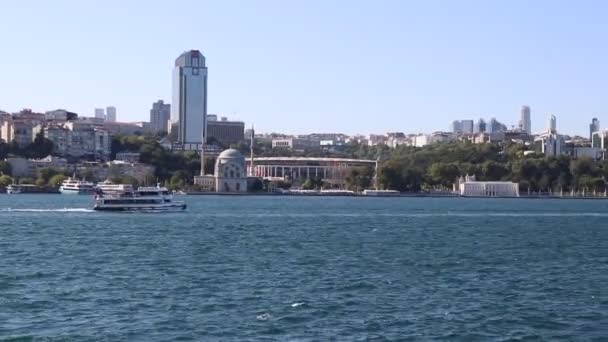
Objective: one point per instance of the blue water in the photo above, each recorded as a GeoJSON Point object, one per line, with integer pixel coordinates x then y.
{"type": "Point", "coordinates": [305, 269]}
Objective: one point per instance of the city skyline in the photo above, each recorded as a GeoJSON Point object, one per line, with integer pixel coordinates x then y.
{"type": "Point", "coordinates": [417, 70]}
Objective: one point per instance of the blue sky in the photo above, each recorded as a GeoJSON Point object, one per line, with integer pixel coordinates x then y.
{"type": "Point", "coordinates": [315, 66]}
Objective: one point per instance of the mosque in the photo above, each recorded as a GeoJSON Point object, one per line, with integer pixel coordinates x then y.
{"type": "Point", "coordinates": [230, 174]}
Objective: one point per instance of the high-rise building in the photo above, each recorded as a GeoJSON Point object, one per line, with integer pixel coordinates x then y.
{"type": "Point", "coordinates": [594, 127]}
{"type": "Point", "coordinates": [480, 126]}
{"type": "Point", "coordinates": [525, 122]}
{"type": "Point", "coordinates": [552, 124]}
{"type": "Point", "coordinates": [160, 114]}
{"type": "Point", "coordinates": [100, 113]}
{"type": "Point", "coordinates": [111, 114]}
{"type": "Point", "coordinates": [189, 107]}
{"type": "Point", "coordinates": [456, 127]}
{"type": "Point", "coordinates": [467, 126]}
{"type": "Point", "coordinates": [496, 126]}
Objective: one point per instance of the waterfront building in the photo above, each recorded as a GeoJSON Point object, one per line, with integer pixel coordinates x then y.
{"type": "Point", "coordinates": [111, 114]}
{"type": "Point", "coordinates": [189, 106]}
{"type": "Point", "coordinates": [100, 113]}
{"type": "Point", "coordinates": [297, 170]}
{"type": "Point", "coordinates": [468, 186]}
{"type": "Point", "coordinates": [296, 144]}
{"type": "Point", "coordinates": [525, 122]}
{"type": "Point", "coordinates": [225, 132]}
{"type": "Point", "coordinates": [160, 114]}
{"type": "Point", "coordinates": [594, 127]}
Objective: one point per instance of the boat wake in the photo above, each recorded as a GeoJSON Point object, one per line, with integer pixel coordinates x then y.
{"type": "Point", "coordinates": [55, 210]}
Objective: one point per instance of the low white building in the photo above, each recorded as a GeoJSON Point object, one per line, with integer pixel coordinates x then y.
{"type": "Point", "coordinates": [469, 187]}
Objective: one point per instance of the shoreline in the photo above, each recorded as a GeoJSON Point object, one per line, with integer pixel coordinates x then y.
{"type": "Point", "coordinates": [390, 196]}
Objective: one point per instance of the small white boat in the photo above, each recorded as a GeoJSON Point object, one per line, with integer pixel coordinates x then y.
{"type": "Point", "coordinates": [73, 186]}
{"type": "Point", "coordinates": [13, 189]}
{"type": "Point", "coordinates": [143, 199]}
{"type": "Point", "coordinates": [381, 193]}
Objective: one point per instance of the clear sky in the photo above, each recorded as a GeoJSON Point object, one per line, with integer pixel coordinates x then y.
{"type": "Point", "coordinates": [315, 65]}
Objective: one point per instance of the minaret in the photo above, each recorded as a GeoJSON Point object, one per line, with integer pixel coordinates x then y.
{"type": "Point", "coordinates": [376, 173]}
{"type": "Point", "coordinates": [251, 143]}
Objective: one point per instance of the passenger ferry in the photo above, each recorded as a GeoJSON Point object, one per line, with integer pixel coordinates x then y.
{"type": "Point", "coordinates": [73, 186]}
{"type": "Point", "coordinates": [143, 199]}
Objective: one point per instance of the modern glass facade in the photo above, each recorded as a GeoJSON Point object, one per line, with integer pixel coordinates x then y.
{"type": "Point", "coordinates": [189, 107]}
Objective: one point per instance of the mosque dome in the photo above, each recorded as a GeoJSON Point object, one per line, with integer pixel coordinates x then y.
{"type": "Point", "coordinates": [231, 154]}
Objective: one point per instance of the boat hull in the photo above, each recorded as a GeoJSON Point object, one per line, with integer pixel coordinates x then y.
{"type": "Point", "coordinates": [75, 191]}
{"type": "Point", "coordinates": [146, 208]}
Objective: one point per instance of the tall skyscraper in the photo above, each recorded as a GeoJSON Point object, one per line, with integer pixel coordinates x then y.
{"type": "Point", "coordinates": [100, 113]}
{"type": "Point", "coordinates": [480, 126]}
{"type": "Point", "coordinates": [456, 127]}
{"type": "Point", "coordinates": [189, 107]}
{"type": "Point", "coordinates": [496, 126]}
{"type": "Point", "coordinates": [594, 127]}
{"type": "Point", "coordinates": [467, 126]}
{"type": "Point", "coordinates": [160, 114]}
{"type": "Point", "coordinates": [525, 122]}
{"type": "Point", "coordinates": [111, 114]}
{"type": "Point", "coordinates": [552, 124]}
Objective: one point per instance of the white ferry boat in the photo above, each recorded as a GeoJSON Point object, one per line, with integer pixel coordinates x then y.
{"type": "Point", "coordinates": [143, 199]}
{"type": "Point", "coordinates": [73, 186]}
{"type": "Point", "coordinates": [107, 187]}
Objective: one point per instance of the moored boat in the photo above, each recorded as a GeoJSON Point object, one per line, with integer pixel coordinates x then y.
{"type": "Point", "coordinates": [13, 189]}
{"type": "Point", "coordinates": [73, 186]}
{"type": "Point", "coordinates": [143, 199]}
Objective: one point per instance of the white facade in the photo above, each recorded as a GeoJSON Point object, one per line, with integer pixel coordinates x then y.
{"type": "Point", "coordinates": [468, 186]}
{"type": "Point", "coordinates": [189, 108]}
{"type": "Point", "coordinates": [421, 140]}
{"type": "Point", "coordinates": [230, 172]}
{"type": "Point", "coordinates": [111, 114]}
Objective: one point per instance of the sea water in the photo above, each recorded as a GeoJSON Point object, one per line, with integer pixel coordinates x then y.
{"type": "Point", "coordinates": [305, 269]}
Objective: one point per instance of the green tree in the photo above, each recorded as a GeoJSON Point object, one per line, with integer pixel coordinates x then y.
{"type": "Point", "coordinates": [5, 181]}
{"type": "Point", "coordinates": [39, 148]}
{"type": "Point", "coordinates": [359, 179]}
{"type": "Point", "coordinates": [56, 180]}
{"type": "Point", "coordinates": [26, 180]}
{"type": "Point", "coordinates": [444, 174]}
